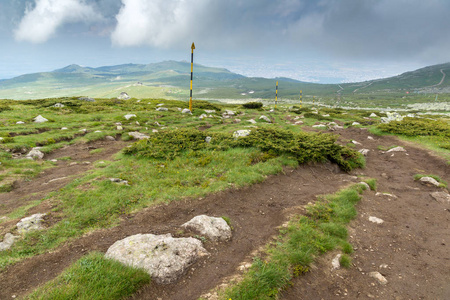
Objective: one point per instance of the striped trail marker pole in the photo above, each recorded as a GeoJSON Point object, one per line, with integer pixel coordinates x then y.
{"type": "Point", "coordinates": [301, 96]}
{"type": "Point", "coordinates": [276, 96]}
{"type": "Point", "coordinates": [192, 72]}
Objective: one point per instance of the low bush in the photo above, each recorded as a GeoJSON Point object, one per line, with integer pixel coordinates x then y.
{"type": "Point", "coordinates": [252, 105]}
{"type": "Point", "coordinates": [414, 127]}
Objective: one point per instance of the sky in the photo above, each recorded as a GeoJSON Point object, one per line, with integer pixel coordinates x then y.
{"type": "Point", "coordinates": [324, 41]}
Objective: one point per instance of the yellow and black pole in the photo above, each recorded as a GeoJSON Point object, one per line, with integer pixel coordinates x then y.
{"type": "Point", "coordinates": [276, 96]}
{"type": "Point", "coordinates": [301, 96]}
{"type": "Point", "coordinates": [192, 72]}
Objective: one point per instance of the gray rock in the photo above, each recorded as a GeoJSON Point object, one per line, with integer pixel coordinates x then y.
{"type": "Point", "coordinates": [138, 136]}
{"type": "Point", "coordinates": [229, 113]}
{"type": "Point", "coordinates": [8, 241]}
{"type": "Point", "coordinates": [203, 116]}
{"type": "Point", "coordinates": [33, 222]}
{"type": "Point", "coordinates": [364, 151]}
{"type": "Point", "coordinates": [35, 153]}
{"type": "Point", "coordinates": [380, 278]}
{"type": "Point", "coordinates": [298, 122]}
{"type": "Point", "coordinates": [186, 111]}
{"type": "Point", "coordinates": [124, 96]}
{"type": "Point", "coordinates": [110, 138]}
{"type": "Point", "coordinates": [240, 133]}
{"type": "Point", "coordinates": [119, 181]}
{"type": "Point", "coordinates": [208, 139]}
{"type": "Point", "coordinates": [162, 109]}
{"type": "Point", "coordinates": [396, 149]}
{"type": "Point", "coordinates": [252, 121]}
{"type": "Point", "coordinates": [335, 263]}
{"type": "Point", "coordinates": [429, 181]}
{"type": "Point", "coordinates": [40, 119]}
{"type": "Point", "coordinates": [59, 105]}
{"type": "Point", "coordinates": [165, 258]}
{"type": "Point", "coordinates": [265, 119]}
{"type": "Point", "coordinates": [87, 99]}
{"type": "Point", "coordinates": [213, 228]}
{"type": "Point", "coordinates": [129, 116]}
{"type": "Point", "coordinates": [210, 111]}
{"type": "Point", "coordinates": [441, 197]}
{"type": "Point", "coordinates": [237, 120]}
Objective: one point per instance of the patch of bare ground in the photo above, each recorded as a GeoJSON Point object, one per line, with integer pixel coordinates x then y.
{"type": "Point", "coordinates": [410, 248]}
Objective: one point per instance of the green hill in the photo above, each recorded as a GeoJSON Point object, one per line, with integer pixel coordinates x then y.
{"type": "Point", "coordinates": [171, 80]}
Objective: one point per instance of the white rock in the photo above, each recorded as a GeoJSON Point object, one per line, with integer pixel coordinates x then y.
{"type": "Point", "coordinates": [119, 127]}
{"type": "Point", "coordinates": [64, 128]}
{"type": "Point", "coordinates": [157, 124]}
{"type": "Point", "coordinates": [240, 133]}
{"type": "Point", "coordinates": [119, 181]}
{"type": "Point", "coordinates": [265, 119]}
{"type": "Point", "coordinates": [252, 121]}
{"type": "Point", "coordinates": [124, 96]}
{"type": "Point", "coordinates": [376, 220]}
{"type": "Point", "coordinates": [386, 194]}
{"type": "Point", "coordinates": [35, 153]}
{"type": "Point", "coordinates": [298, 122]}
{"type": "Point", "coordinates": [429, 180]}
{"type": "Point", "coordinates": [380, 278]}
{"type": "Point", "coordinates": [372, 115]}
{"type": "Point", "coordinates": [58, 105]}
{"type": "Point", "coordinates": [138, 136]}
{"type": "Point", "coordinates": [83, 130]}
{"type": "Point", "coordinates": [162, 109]}
{"type": "Point", "coordinates": [40, 119]}
{"type": "Point", "coordinates": [370, 138]}
{"type": "Point", "coordinates": [165, 258]}
{"type": "Point", "coordinates": [210, 111]}
{"type": "Point", "coordinates": [154, 131]}
{"type": "Point", "coordinates": [186, 111]}
{"type": "Point", "coordinates": [97, 131]}
{"type": "Point", "coordinates": [396, 149]}
{"type": "Point", "coordinates": [335, 262]}
{"type": "Point", "coordinates": [160, 104]}
{"type": "Point", "coordinates": [129, 116]}
{"type": "Point", "coordinates": [110, 138]}
{"type": "Point", "coordinates": [365, 184]}
{"type": "Point", "coordinates": [326, 115]}
{"type": "Point", "coordinates": [441, 197]}
{"type": "Point", "coordinates": [237, 120]}
{"type": "Point", "coordinates": [203, 116]}
{"type": "Point", "coordinates": [229, 113]}
{"type": "Point", "coordinates": [320, 126]}
{"type": "Point", "coordinates": [356, 143]}
{"type": "Point", "coordinates": [364, 151]}
{"type": "Point", "coordinates": [355, 124]}
{"type": "Point", "coordinates": [211, 227]}
{"type": "Point", "coordinates": [137, 123]}
{"type": "Point", "coordinates": [208, 139]}
{"type": "Point", "coordinates": [20, 122]}
{"type": "Point", "coordinates": [8, 241]}
{"type": "Point", "coordinates": [33, 222]}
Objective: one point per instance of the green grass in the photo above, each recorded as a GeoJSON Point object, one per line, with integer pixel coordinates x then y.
{"type": "Point", "coordinates": [321, 230]}
{"type": "Point", "coordinates": [372, 183]}
{"type": "Point", "coordinates": [93, 277]}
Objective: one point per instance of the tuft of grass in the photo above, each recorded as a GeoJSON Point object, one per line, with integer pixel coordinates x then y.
{"type": "Point", "coordinates": [345, 261]}
{"type": "Point", "coordinates": [372, 182]}
{"type": "Point", "coordinates": [93, 277]}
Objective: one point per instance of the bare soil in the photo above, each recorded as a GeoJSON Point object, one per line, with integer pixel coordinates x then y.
{"type": "Point", "coordinates": [413, 242]}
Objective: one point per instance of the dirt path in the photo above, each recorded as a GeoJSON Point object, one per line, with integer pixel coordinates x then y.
{"type": "Point", "coordinates": [413, 241]}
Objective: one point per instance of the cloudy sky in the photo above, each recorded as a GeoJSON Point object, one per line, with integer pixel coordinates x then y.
{"type": "Point", "coordinates": [311, 40]}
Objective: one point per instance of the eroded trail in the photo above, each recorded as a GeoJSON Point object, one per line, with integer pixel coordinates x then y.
{"type": "Point", "coordinates": [413, 241]}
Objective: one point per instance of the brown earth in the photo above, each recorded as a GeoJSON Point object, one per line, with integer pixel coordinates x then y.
{"type": "Point", "coordinates": [413, 242]}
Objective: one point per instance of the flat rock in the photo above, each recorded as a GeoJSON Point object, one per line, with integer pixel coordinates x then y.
{"type": "Point", "coordinates": [162, 109]}
{"type": "Point", "coordinates": [441, 197]}
{"type": "Point", "coordinates": [110, 138]}
{"type": "Point", "coordinates": [380, 278]}
{"type": "Point", "coordinates": [40, 119]}
{"type": "Point", "coordinates": [213, 228]}
{"type": "Point", "coordinates": [396, 149]}
{"type": "Point", "coordinates": [20, 122]}
{"type": "Point", "coordinates": [8, 241]}
{"type": "Point", "coordinates": [319, 126]}
{"type": "Point", "coordinates": [33, 222]}
{"type": "Point", "coordinates": [429, 181]}
{"type": "Point", "coordinates": [356, 142]}
{"type": "Point", "coordinates": [137, 135]}
{"type": "Point", "coordinates": [165, 258]}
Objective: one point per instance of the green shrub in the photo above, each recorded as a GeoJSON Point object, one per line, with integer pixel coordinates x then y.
{"type": "Point", "coordinates": [414, 127]}
{"type": "Point", "coordinates": [252, 105]}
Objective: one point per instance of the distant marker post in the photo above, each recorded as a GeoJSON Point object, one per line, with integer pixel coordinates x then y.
{"type": "Point", "coordinates": [192, 72]}
{"type": "Point", "coordinates": [276, 96]}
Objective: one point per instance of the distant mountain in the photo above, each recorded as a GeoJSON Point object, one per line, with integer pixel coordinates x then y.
{"type": "Point", "coordinates": [171, 80]}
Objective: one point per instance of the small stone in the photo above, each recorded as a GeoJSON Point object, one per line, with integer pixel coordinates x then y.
{"type": "Point", "coordinates": [335, 262]}
{"type": "Point", "coordinates": [372, 115]}
{"type": "Point", "coordinates": [138, 136]}
{"type": "Point", "coordinates": [119, 127]}
{"type": "Point", "coordinates": [186, 111]}
{"type": "Point", "coordinates": [97, 131]}
{"type": "Point", "coordinates": [208, 139]}
{"type": "Point", "coordinates": [154, 130]}
{"type": "Point", "coordinates": [298, 123]}
{"type": "Point", "coordinates": [265, 119]}
{"type": "Point", "coordinates": [119, 181]}
{"type": "Point", "coordinates": [20, 122]}
{"type": "Point", "coordinates": [252, 121]}
{"type": "Point", "coordinates": [35, 153]}
{"type": "Point", "coordinates": [355, 124]}
{"type": "Point", "coordinates": [364, 151]}
{"type": "Point", "coordinates": [40, 119]}
{"type": "Point", "coordinates": [320, 126]}
{"type": "Point", "coordinates": [110, 138]}
{"type": "Point", "coordinates": [370, 138]}
{"type": "Point", "coordinates": [129, 116]}
{"type": "Point", "coordinates": [429, 181]}
{"type": "Point", "coordinates": [237, 120]}
{"type": "Point", "coordinates": [380, 278]}
{"type": "Point", "coordinates": [160, 104]}
{"type": "Point", "coordinates": [7, 242]}
{"type": "Point", "coordinates": [441, 197]}
{"type": "Point", "coordinates": [356, 143]}
{"type": "Point", "coordinates": [376, 220]}
{"type": "Point", "coordinates": [162, 109]}
{"type": "Point", "coordinates": [64, 128]}
{"type": "Point", "coordinates": [241, 133]}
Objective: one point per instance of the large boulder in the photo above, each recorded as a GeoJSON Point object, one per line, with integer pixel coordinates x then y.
{"type": "Point", "coordinates": [33, 222]}
{"type": "Point", "coordinates": [213, 228]}
{"type": "Point", "coordinates": [165, 258]}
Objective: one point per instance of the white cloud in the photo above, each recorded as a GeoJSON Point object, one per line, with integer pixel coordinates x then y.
{"type": "Point", "coordinates": [158, 23]}
{"type": "Point", "coordinates": [41, 22]}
